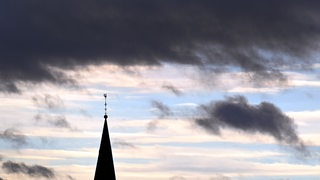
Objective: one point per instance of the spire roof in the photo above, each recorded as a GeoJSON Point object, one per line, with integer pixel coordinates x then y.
{"type": "Point", "coordinates": [105, 166]}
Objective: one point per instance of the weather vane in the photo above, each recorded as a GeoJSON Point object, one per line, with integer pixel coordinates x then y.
{"type": "Point", "coordinates": [105, 106]}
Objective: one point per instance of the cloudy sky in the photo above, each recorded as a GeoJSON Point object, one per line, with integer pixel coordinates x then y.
{"type": "Point", "coordinates": [197, 89]}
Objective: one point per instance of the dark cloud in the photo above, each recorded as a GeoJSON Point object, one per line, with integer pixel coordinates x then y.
{"type": "Point", "coordinates": [32, 171]}
{"type": "Point", "coordinates": [172, 89]}
{"type": "Point", "coordinates": [13, 136]}
{"type": "Point", "coordinates": [48, 101]}
{"type": "Point", "coordinates": [236, 113]}
{"type": "Point", "coordinates": [42, 36]}
{"type": "Point", "coordinates": [162, 110]}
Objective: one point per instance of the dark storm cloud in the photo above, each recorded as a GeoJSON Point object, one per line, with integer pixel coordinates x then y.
{"type": "Point", "coordinates": [39, 36]}
{"type": "Point", "coordinates": [32, 171]}
{"type": "Point", "coordinates": [13, 136]}
{"type": "Point", "coordinates": [236, 113]}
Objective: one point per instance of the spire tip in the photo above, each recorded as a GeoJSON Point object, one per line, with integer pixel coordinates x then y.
{"type": "Point", "coordinates": [105, 106]}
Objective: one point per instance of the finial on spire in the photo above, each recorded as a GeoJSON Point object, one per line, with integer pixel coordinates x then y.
{"type": "Point", "coordinates": [105, 106]}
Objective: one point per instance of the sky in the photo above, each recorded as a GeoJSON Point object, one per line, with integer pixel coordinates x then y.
{"type": "Point", "coordinates": [197, 90]}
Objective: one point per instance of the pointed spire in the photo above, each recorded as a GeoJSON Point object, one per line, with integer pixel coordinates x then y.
{"type": "Point", "coordinates": [105, 167]}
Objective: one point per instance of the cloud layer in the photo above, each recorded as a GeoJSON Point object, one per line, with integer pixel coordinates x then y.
{"type": "Point", "coordinates": [42, 36]}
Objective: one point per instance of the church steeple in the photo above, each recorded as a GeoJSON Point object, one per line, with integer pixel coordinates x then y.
{"type": "Point", "coordinates": [105, 167]}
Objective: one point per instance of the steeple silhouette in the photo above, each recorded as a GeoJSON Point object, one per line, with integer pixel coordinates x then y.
{"type": "Point", "coordinates": [105, 167]}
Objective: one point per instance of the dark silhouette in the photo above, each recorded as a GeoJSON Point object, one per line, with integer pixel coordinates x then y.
{"type": "Point", "coordinates": [105, 167]}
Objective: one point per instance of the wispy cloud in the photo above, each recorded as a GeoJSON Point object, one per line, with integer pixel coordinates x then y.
{"type": "Point", "coordinates": [14, 136]}
{"type": "Point", "coordinates": [70, 177]}
{"type": "Point", "coordinates": [48, 105]}
{"type": "Point", "coordinates": [32, 171]}
{"type": "Point", "coordinates": [58, 121]}
{"type": "Point", "coordinates": [162, 110]}
{"type": "Point", "coordinates": [172, 89]}
{"type": "Point", "coordinates": [48, 101]}
{"type": "Point", "coordinates": [122, 144]}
